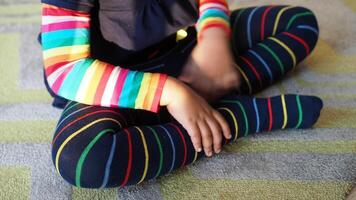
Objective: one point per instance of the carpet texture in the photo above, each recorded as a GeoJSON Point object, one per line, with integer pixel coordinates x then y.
{"type": "Point", "coordinates": [319, 163]}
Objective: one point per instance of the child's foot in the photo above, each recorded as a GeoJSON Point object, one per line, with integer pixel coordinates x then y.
{"type": "Point", "coordinates": [247, 115]}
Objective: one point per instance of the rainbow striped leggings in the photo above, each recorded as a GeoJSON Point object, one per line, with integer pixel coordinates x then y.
{"type": "Point", "coordinates": [99, 147]}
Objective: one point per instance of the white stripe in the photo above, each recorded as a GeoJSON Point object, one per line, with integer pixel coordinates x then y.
{"type": "Point", "coordinates": [84, 84]}
{"type": "Point", "coordinates": [54, 75]}
{"type": "Point", "coordinates": [215, 5]}
{"type": "Point", "coordinates": [110, 86]}
{"type": "Point", "coordinates": [57, 19]}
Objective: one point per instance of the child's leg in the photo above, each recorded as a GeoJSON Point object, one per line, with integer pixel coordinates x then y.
{"type": "Point", "coordinates": [97, 147]}
{"type": "Point", "coordinates": [270, 41]}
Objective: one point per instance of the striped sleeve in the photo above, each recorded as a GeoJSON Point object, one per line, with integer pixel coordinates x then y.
{"type": "Point", "coordinates": [213, 13]}
{"type": "Point", "coordinates": [74, 75]}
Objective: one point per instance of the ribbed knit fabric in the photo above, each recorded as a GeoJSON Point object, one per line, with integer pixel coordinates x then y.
{"type": "Point", "coordinates": [98, 147]}
{"type": "Point", "coordinates": [72, 74]}
{"type": "Point", "coordinates": [213, 13]}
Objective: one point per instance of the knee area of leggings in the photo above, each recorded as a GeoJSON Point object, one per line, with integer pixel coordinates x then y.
{"type": "Point", "coordinates": [82, 161]}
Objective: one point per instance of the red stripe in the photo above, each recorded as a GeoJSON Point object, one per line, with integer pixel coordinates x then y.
{"type": "Point", "coordinates": [159, 89]}
{"type": "Point", "coordinates": [102, 84]}
{"type": "Point", "coordinates": [306, 46]}
{"type": "Point", "coordinates": [270, 114]}
{"type": "Point", "coordinates": [129, 164]}
{"type": "Point", "coordinates": [263, 22]}
{"type": "Point", "coordinates": [59, 81]}
{"type": "Point", "coordinates": [253, 69]}
{"type": "Point", "coordinates": [184, 143]}
{"type": "Point", "coordinates": [223, 2]}
{"type": "Point", "coordinates": [119, 85]}
{"type": "Point", "coordinates": [49, 70]}
{"type": "Point", "coordinates": [78, 119]}
{"type": "Point", "coordinates": [65, 26]}
{"type": "Point", "coordinates": [57, 11]}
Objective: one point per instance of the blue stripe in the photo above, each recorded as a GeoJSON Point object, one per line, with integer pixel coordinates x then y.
{"type": "Point", "coordinates": [65, 34]}
{"type": "Point", "coordinates": [214, 12]}
{"type": "Point", "coordinates": [264, 64]}
{"type": "Point", "coordinates": [108, 164]}
{"type": "Point", "coordinates": [73, 79]}
{"type": "Point", "coordinates": [309, 28]}
{"type": "Point", "coordinates": [173, 148]}
{"type": "Point", "coordinates": [257, 116]}
{"type": "Point", "coordinates": [60, 123]}
{"type": "Point", "coordinates": [249, 27]}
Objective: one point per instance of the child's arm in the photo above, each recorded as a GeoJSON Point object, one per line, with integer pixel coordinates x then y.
{"type": "Point", "coordinates": [74, 75]}
{"type": "Point", "coordinates": [210, 69]}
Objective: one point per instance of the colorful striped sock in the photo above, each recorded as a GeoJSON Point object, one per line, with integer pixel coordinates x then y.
{"type": "Point", "coordinates": [93, 147]}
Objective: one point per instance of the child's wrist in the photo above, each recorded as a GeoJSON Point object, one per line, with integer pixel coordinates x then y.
{"type": "Point", "coordinates": [215, 33]}
{"type": "Point", "coordinates": [171, 90]}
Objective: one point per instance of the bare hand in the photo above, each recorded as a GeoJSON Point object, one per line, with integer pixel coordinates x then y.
{"type": "Point", "coordinates": [204, 124]}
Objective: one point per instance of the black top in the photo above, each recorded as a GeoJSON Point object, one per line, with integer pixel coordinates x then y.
{"type": "Point", "coordinates": [136, 24]}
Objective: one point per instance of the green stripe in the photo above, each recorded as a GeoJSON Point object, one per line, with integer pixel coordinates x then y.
{"type": "Point", "coordinates": [300, 112]}
{"type": "Point", "coordinates": [209, 14]}
{"type": "Point", "coordinates": [296, 16]}
{"type": "Point", "coordinates": [68, 108]}
{"type": "Point", "coordinates": [74, 78]}
{"type": "Point", "coordinates": [160, 152]}
{"type": "Point", "coordinates": [49, 44]}
{"type": "Point", "coordinates": [243, 112]}
{"type": "Point", "coordinates": [130, 89]}
{"type": "Point", "coordinates": [274, 56]}
{"type": "Point", "coordinates": [78, 171]}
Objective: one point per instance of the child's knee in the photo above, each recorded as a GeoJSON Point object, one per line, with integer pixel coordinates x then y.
{"type": "Point", "coordinates": [85, 162]}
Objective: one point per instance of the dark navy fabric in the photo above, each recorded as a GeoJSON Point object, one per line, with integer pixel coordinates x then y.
{"type": "Point", "coordinates": [136, 24]}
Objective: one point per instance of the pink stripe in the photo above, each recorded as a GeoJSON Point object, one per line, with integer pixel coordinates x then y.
{"type": "Point", "coordinates": [64, 25]}
{"type": "Point", "coordinates": [213, 5]}
{"type": "Point", "coordinates": [118, 87]}
{"type": "Point", "coordinates": [58, 83]}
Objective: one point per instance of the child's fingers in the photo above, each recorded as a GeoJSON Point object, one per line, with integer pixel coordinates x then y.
{"type": "Point", "coordinates": [194, 133]}
{"type": "Point", "coordinates": [224, 125]}
{"type": "Point", "coordinates": [206, 137]}
{"type": "Point", "coordinates": [216, 133]}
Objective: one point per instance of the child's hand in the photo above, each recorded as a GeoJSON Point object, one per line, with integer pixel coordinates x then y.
{"type": "Point", "coordinates": [210, 69]}
{"type": "Point", "coordinates": [203, 123]}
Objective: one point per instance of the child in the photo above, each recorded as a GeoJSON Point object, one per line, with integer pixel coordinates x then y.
{"type": "Point", "coordinates": [113, 64]}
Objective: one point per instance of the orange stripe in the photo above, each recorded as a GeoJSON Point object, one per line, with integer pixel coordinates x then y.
{"type": "Point", "coordinates": [63, 58]}
{"type": "Point", "coordinates": [151, 92]}
{"type": "Point", "coordinates": [159, 89]}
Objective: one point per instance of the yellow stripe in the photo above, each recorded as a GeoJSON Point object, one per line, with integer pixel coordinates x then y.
{"type": "Point", "coordinates": [83, 89]}
{"type": "Point", "coordinates": [284, 112]}
{"type": "Point", "coordinates": [145, 83]}
{"type": "Point", "coordinates": [66, 50]}
{"type": "Point", "coordinates": [245, 77]}
{"type": "Point", "coordinates": [75, 134]}
{"type": "Point", "coordinates": [278, 18]}
{"type": "Point", "coordinates": [146, 155]}
{"type": "Point", "coordinates": [151, 91]}
{"type": "Point", "coordinates": [235, 122]}
{"type": "Point", "coordinates": [213, 19]}
{"type": "Point", "coordinates": [287, 49]}
{"type": "Point", "coordinates": [94, 83]}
